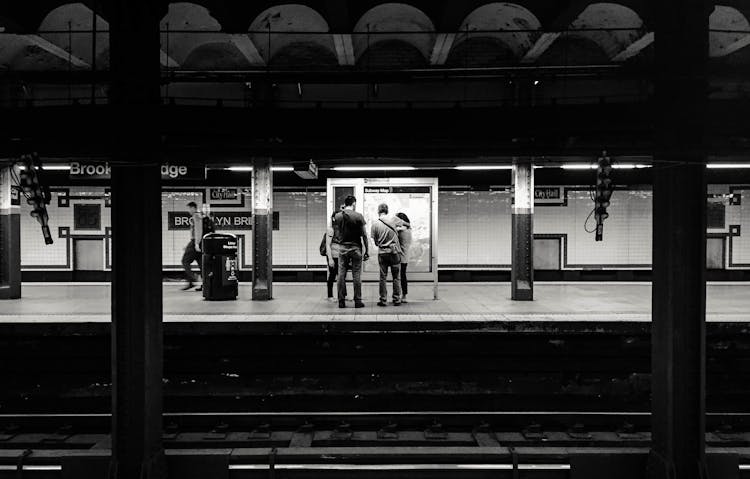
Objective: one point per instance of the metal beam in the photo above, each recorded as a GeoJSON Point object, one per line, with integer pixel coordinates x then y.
{"type": "Point", "coordinates": [262, 229]}
{"type": "Point", "coordinates": [10, 235]}
{"type": "Point", "coordinates": [344, 49]}
{"type": "Point", "coordinates": [636, 47]}
{"type": "Point", "coordinates": [55, 50]}
{"type": "Point", "coordinates": [167, 61]}
{"type": "Point", "coordinates": [541, 45]}
{"type": "Point", "coordinates": [736, 46]}
{"type": "Point", "coordinates": [442, 48]}
{"type": "Point", "coordinates": [522, 234]}
{"type": "Point", "coordinates": [247, 48]}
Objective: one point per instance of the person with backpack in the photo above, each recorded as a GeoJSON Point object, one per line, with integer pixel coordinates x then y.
{"type": "Point", "coordinates": [329, 248]}
{"type": "Point", "coordinates": [199, 226]}
{"type": "Point", "coordinates": [385, 237]}
{"type": "Point", "coordinates": [405, 239]}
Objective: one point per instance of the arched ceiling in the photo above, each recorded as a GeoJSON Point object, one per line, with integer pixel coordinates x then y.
{"type": "Point", "coordinates": [389, 22]}
{"type": "Point", "coordinates": [398, 35]}
{"type": "Point", "coordinates": [609, 16]}
{"type": "Point", "coordinates": [726, 18]}
{"type": "Point", "coordinates": [273, 33]}
{"type": "Point", "coordinates": [507, 24]}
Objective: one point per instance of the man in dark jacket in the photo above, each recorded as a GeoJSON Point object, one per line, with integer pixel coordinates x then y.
{"type": "Point", "coordinates": [350, 226]}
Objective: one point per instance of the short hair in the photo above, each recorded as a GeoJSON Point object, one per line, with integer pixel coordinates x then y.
{"type": "Point", "coordinates": [383, 208]}
{"type": "Point", "coordinates": [192, 205]}
{"type": "Point", "coordinates": [403, 217]}
{"type": "Point", "coordinates": [349, 200]}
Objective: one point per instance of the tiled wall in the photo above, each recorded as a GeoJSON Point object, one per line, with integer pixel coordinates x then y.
{"type": "Point", "coordinates": [474, 227]}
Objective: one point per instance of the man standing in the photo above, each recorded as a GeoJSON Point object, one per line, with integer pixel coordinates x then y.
{"type": "Point", "coordinates": [351, 227]}
{"type": "Point", "coordinates": [389, 254]}
{"type": "Point", "coordinates": [193, 248]}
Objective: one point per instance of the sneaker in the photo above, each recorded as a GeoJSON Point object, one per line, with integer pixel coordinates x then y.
{"type": "Point", "coordinates": [342, 304]}
{"type": "Point", "coordinates": [403, 299]}
{"type": "Point", "coordinates": [359, 304]}
{"type": "Point", "coordinates": [382, 303]}
{"type": "Point", "coordinates": [331, 299]}
{"type": "Point", "coordinates": [199, 288]}
{"type": "Point", "coordinates": [397, 303]}
{"type": "Point", "coordinates": [188, 286]}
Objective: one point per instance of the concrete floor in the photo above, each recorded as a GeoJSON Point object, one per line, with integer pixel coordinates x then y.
{"type": "Point", "coordinates": [306, 302]}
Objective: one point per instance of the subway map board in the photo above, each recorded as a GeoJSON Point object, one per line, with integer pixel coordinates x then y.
{"type": "Point", "coordinates": [415, 202]}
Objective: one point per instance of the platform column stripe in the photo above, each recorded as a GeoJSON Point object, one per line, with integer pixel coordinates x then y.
{"type": "Point", "coordinates": [522, 231]}
{"type": "Point", "coordinates": [10, 237]}
{"type": "Point", "coordinates": [262, 229]}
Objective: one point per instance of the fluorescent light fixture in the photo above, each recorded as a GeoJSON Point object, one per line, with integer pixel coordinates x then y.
{"type": "Point", "coordinates": [57, 167]}
{"type": "Point", "coordinates": [578, 166]}
{"type": "Point", "coordinates": [373, 168]}
{"type": "Point", "coordinates": [402, 467]}
{"type": "Point", "coordinates": [630, 166]}
{"type": "Point", "coordinates": [728, 166]}
{"type": "Point", "coordinates": [484, 167]}
{"type": "Point", "coordinates": [250, 168]}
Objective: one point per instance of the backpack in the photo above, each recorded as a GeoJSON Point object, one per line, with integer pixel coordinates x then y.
{"type": "Point", "coordinates": [323, 249]}
{"type": "Point", "coordinates": [208, 225]}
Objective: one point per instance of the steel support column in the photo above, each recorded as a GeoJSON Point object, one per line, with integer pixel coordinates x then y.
{"type": "Point", "coordinates": [262, 229]}
{"type": "Point", "coordinates": [10, 237]}
{"type": "Point", "coordinates": [679, 241]}
{"type": "Point", "coordinates": [137, 350]}
{"type": "Point", "coordinates": [522, 246]}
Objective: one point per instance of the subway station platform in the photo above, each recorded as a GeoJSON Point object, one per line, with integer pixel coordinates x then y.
{"type": "Point", "coordinates": [458, 302]}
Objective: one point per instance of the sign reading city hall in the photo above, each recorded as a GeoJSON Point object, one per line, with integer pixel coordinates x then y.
{"type": "Point", "coordinates": [224, 220]}
{"type": "Point", "coordinates": [102, 171]}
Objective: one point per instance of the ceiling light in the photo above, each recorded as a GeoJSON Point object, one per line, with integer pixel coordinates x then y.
{"type": "Point", "coordinates": [484, 167]}
{"type": "Point", "coordinates": [578, 166]}
{"type": "Point", "coordinates": [728, 165]}
{"type": "Point", "coordinates": [250, 168]}
{"type": "Point", "coordinates": [630, 166]}
{"type": "Point", "coordinates": [56, 167]}
{"type": "Point", "coordinates": [373, 168]}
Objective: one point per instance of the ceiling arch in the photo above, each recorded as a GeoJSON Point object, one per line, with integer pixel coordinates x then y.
{"type": "Point", "coordinates": [75, 22]}
{"type": "Point", "coordinates": [310, 25]}
{"type": "Point", "coordinates": [625, 25]}
{"type": "Point", "coordinates": [727, 18]}
{"type": "Point", "coordinates": [509, 24]}
{"type": "Point", "coordinates": [394, 21]}
{"type": "Point", "coordinates": [188, 16]}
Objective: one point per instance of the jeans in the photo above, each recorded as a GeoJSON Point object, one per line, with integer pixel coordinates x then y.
{"type": "Point", "coordinates": [188, 257]}
{"type": "Point", "coordinates": [332, 274]}
{"type": "Point", "coordinates": [392, 261]}
{"type": "Point", "coordinates": [404, 283]}
{"type": "Point", "coordinates": [350, 257]}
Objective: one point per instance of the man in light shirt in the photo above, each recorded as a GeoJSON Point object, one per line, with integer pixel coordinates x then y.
{"type": "Point", "coordinates": [385, 237]}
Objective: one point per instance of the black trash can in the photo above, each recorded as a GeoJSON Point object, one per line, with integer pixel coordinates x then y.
{"type": "Point", "coordinates": [219, 266]}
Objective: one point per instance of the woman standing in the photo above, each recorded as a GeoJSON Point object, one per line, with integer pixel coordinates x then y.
{"type": "Point", "coordinates": [404, 238]}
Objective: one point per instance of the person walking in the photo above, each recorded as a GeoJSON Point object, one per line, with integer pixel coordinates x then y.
{"type": "Point", "coordinates": [385, 237]}
{"type": "Point", "coordinates": [405, 238]}
{"type": "Point", "coordinates": [193, 248]}
{"type": "Point", "coordinates": [352, 244]}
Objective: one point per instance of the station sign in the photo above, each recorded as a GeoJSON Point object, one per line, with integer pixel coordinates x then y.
{"type": "Point", "coordinates": [397, 189]}
{"type": "Point", "coordinates": [547, 193]}
{"type": "Point", "coordinates": [80, 170]}
{"type": "Point", "coordinates": [223, 220]}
